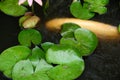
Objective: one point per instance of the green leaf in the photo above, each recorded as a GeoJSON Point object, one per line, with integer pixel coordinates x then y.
{"type": "Point", "coordinates": [97, 2]}
{"type": "Point", "coordinates": [119, 28]}
{"type": "Point", "coordinates": [11, 56]}
{"type": "Point", "coordinates": [97, 6]}
{"type": "Point", "coordinates": [84, 40]}
{"type": "Point", "coordinates": [62, 54]}
{"type": "Point", "coordinates": [26, 37]}
{"type": "Point", "coordinates": [37, 54]}
{"type": "Point", "coordinates": [24, 70]}
{"type": "Point", "coordinates": [68, 71]}
{"type": "Point", "coordinates": [41, 70]}
{"type": "Point", "coordinates": [69, 42]}
{"type": "Point", "coordinates": [11, 7]}
{"type": "Point", "coordinates": [22, 19]}
{"type": "Point", "coordinates": [46, 6]}
{"type": "Point", "coordinates": [69, 64]}
{"type": "Point", "coordinates": [68, 29]}
{"type": "Point", "coordinates": [87, 41]}
{"type": "Point", "coordinates": [31, 22]}
{"type": "Point", "coordinates": [79, 11]}
{"type": "Point", "coordinates": [45, 46]}
{"type": "Point", "coordinates": [99, 10]}
{"type": "Point", "coordinates": [43, 66]}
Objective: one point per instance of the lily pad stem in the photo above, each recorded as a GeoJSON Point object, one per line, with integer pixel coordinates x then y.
{"type": "Point", "coordinates": [32, 8]}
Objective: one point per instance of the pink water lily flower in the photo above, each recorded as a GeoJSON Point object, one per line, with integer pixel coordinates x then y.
{"type": "Point", "coordinates": [30, 2]}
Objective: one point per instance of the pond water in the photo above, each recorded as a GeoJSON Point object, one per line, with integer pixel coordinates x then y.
{"type": "Point", "coordinates": [103, 64]}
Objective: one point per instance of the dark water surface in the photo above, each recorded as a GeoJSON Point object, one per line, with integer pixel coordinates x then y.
{"type": "Point", "coordinates": [103, 64]}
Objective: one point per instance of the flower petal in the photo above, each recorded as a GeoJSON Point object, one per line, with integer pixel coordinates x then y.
{"type": "Point", "coordinates": [21, 2]}
{"type": "Point", "coordinates": [39, 2]}
{"type": "Point", "coordinates": [30, 2]}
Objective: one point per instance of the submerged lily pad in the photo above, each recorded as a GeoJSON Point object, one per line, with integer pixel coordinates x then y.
{"type": "Point", "coordinates": [26, 37]}
{"type": "Point", "coordinates": [11, 7]}
{"type": "Point", "coordinates": [11, 56]}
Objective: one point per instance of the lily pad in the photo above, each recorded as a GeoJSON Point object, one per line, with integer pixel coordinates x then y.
{"type": "Point", "coordinates": [68, 64]}
{"type": "Point", "coordinates": [26, 37]}
{"type": "Point", "coordinates": [11, 56]}
{"type": "Point", "coordinates": [62, 54]}
{"type": "Point", "coordinates": [11, 7]}
{"type": "Point", "coordinates": [87, 41]}
{"type": "Point", "coordinates": [84, 40]}
{"type": "Point", "coordinates": [22, 19]}
{"type": "Point", "coordinates": [119, 28]}
{"type": "Point", "coordinates": [46, 45]}
{"type": "Point", "coordinates": [97, 6]}
{"type": "Point", "coordinates": [31, 22]}
{"type": "Point", "coordinates": [68, 29]}
{"type": "Point", "coordinates": [68, 71]}
{"type": "Point", "coordinates": [43, 66]}
{"type": "Point", "coordinates": [24, 70]}
{"type": "Point", "coordinates": [21, 69]}
{"type": "Point", "coordinates": [79, 11]}
{"type": "Point", "coordinates": [68, 41]}
{"type": "Point", "coordinates": [37, 54]}
{"type": "Point", "coordinates": [97, 2]}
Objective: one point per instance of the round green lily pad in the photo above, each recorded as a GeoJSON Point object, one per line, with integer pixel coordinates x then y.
{"type": "Point", "coordinates": [24, 70]}
{"type": "Point", "coordinates": [46, 45]}
{"type": "Point", "coordinates": [62, 54]}
{"type": "Point", "coordinates": [87, 41]}
{"type": "Point", "coordinates": [11, 56]}
{"type": "Point", "coordinates": [67, 29]}
{"type": "Point", "coordinates": [21, 69]}
{"type": "Point", "coordinates": [43, 66]}
{"type": "Point", "coordinates": [36, 55]}
{"type": "Point", "coordinates": [68, 71]}
{"type": "Point", "coordinates": [79, 11]}
{"type": "Point", "coordinates": [84, 40]}
{"type": "Point", "coordinates": [98, 6]}
{"type": "Point", "coordinates": [69, 65]}
{"type": "Point", "coordinates": [28, 36]}
{"type": "Point", "coordinates": [11, 7]}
